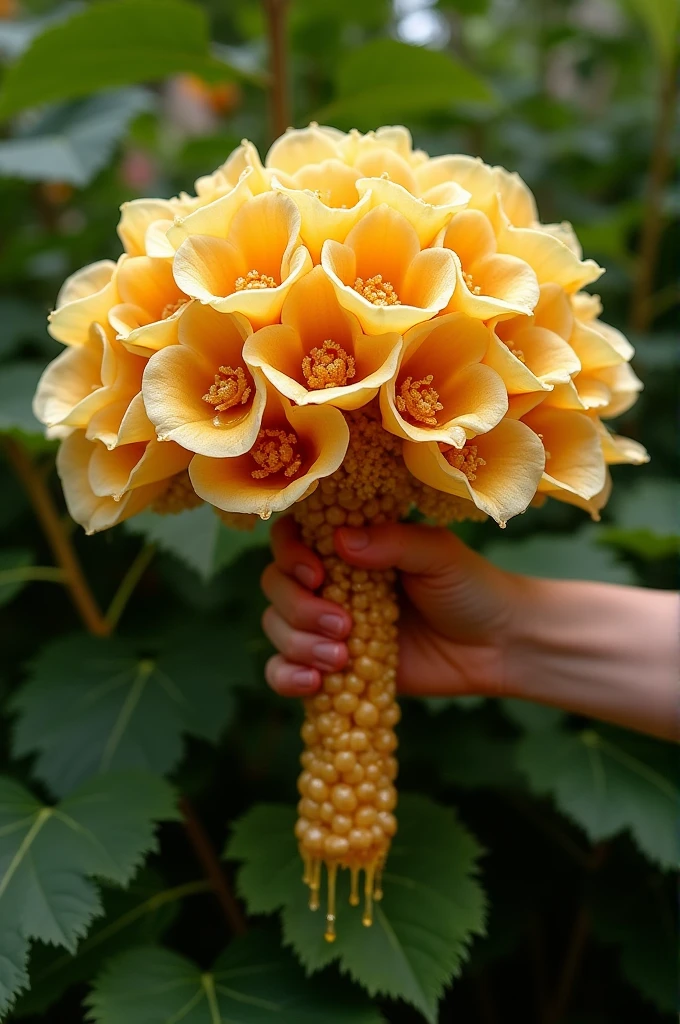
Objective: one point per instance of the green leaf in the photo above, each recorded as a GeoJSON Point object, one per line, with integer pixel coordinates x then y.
{"type": "Point", "coordinates": [386, 81]}
{"type": "Point", "coordinates": [646, 516]}
{"type": "Point", "coordinates": [433, 904]}
{"type": "Point", "coordinates": [22, 321]}
{"type": "Point", "coordinates": [48, 856]}
{"type": "Point", "coordinates": [18, 382]}
{"type": "Point", "coordinates": [133, 916]}
{"type": "Point", "coordinates": [74, 141]}
{"type": "Point", "coordinates": [10, 581]}
{"type": "Point", "coordinates": [529, 716]}
{"type": "Point", "coordinates": [608, 781]}
{"type": "Point", "coordinates": [660, 18]}
{"type": "Point", "coordinates": [94, 705]}
{"type": "Point", "coordinates": [253, 982]}
{"type": "Point", "coordinates": [635, 915]}
{"type": "Point", "coordinates": [477, 758]}
{"type": "Point", "coordinates": [110, 43]}
{"type": "Point", "coordinates": [198, 537]}
{"type": "Point", "coordinates": [478, 7]}
{"type": "Point", "coordinates": [561, 556]}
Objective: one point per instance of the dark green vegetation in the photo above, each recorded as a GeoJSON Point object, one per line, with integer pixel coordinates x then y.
{"type": "Point", "coordinates": [530, 878]}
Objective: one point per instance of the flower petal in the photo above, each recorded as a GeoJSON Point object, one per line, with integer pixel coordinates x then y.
{"type": "Point", "coordinates": [177, 380]}
{"type": "Point", "coordinates": [137, 217]}
{"type": "Point", "coordinates": [551, 259]}
{"type": "Point", "coordinates": [300, 146]}
{"type": "Point", "coordinates": [618, 449]}
{"type": "Point", "coordinates": [503, 486]}
{"type": "Point", "coordinates": [574, 460]}
{"type": "Point", "coordinates": [229, 484]}
{"type": "Point", "coordinates": [428, 217]}
{"type": "Point", "coordinates": [524, 355]}
{"type": "Point", "coordinates": [85, 297]}
{"type": "Point", "coordinates": [319, 219]}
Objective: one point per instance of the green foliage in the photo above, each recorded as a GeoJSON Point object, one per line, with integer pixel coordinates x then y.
{"type": "Point", "coordinates": [198, 538]}
{"type": "Point", "coordinates": [384, 81]}
{"type": "Point", "coordinates": [72, 142]}
{"type": "Point", "coordinates": [432, 907]}
{"type": "Point", "coordinates": [49, 855]}
{"type": "Point", "coordinates": [114, 42]}
{"type": "Point", "coordinates": [575, 557]}
{"type": "Point", "coordinates": [94, 706]}
{"type": "Point", "coordinates": [253, 982]}
{"type": "Point", "coordinates": [647, 520]}
{"type": "Point", "coordinates": [661, 19]}
{"type": "Point", "coordinates": [17, 387]}
{"type": "Point", "coordinates": [12, 576]}
{"type": "Point", "coordinates": [136, 915]}
{"type": "Point", "coordinates": [609, 781]}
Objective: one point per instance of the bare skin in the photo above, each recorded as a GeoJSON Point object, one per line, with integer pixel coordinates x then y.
{"type": "Point", "coordinates": [466, 627]}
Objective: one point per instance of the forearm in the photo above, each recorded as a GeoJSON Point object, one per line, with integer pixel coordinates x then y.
{"type": "Point", "coordinates": [605, 651]}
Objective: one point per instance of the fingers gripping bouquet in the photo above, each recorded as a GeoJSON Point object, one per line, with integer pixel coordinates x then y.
{"type": "Point", "coordinates": [351, 330]}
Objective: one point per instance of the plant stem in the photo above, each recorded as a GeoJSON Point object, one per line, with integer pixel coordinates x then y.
{"type": "Point", "coordinates": [128, 584]}
{"type": "Point", "coordinates": [652, 223]}
{"type": "Point", "coordinates": [209, 861]}
{"type": "Point", "coordinates": [32, 574]}
{"type": "Point", "coordinates": [52, 526]}
{"type": "Point", "coordinates": [277, 19]}
{"type": "Point", "coordinates": [580, 933]}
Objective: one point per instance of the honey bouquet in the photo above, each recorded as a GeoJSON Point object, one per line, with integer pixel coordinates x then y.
{"type": "Point", "coordinates": [346, 332]}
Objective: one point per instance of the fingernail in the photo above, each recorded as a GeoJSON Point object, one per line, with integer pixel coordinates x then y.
{"type": "Point", "coordinates": [306, 575]}
{"type": "Point", "coordinates": [354, 539]}
{"type": "Point", "coordinates": [333, 624]}
{"type": "Point", "coordinates": [305, 678]}
{"type": "Point", "coordinates": [326, 652]}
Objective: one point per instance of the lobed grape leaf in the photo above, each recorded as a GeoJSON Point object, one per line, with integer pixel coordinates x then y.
{"type": "Point", "coordinates": [433, 903]}
{"type": "Point", "coordinates": [94, 705]}
{"type": "Point", "coordinates": [136, 915]}
{"type": "Point", "coordinates": [609, 781]}
{"type": "Point", "coordinates": [198, 538]}
{"type": "Point", "coordinates": [49, 855]}
{"type": "Point", "coordinates": [252, 982]}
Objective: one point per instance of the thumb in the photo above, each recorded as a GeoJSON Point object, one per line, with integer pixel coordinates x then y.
{"type": "Point", "coordinates": [416, 549]}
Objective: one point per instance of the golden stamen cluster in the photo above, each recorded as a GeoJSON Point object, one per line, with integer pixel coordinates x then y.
{"type": "Point", "coordinates": [274, 451]}
{"type": "Point", "coordinates": [254, 280]}
{"type": "Point", "coordinates": [419, 400]}
{"type": "Point", "coordinates": [328, 367]}
{"type": "Point", "coordinates": [229, 388]}
{"type": "Point", "coordinates": [377, 291]}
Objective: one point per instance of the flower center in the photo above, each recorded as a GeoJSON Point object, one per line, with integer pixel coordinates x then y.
{"type": "Point", "coordinates": [171, 308]}
{"type": "Point", "coordinates": [377, 291]}
{"type": "Point", "coordinates": [230, 388]}
{"type": "Point", "coordinates": [517, 352]}
{"type": "Point", "coordinates": [274, 451]}
{"type": "Point", "coordinates": [328, 367]}
{"type": "Point", "coordinates": [466, 460]}
{"type": "Point", "coordinates": [474, 288]}
{"type": "Point", "coordinates": [254, 280]}
{"type": "Point", "coordinates": [419, 400]}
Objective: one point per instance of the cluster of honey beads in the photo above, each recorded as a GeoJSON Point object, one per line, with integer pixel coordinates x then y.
{"type": "Point", "coordinates": [347, 791]}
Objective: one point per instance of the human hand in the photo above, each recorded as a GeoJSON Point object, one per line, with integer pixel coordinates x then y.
{"type": "Point", "coordinates": [456, 611]}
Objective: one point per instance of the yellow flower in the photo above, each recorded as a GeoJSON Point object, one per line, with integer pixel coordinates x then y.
{"type": "Point", "coordinates": [200, 393]}
{"type": "Point", "coordinates": [88, 387]}
{"type": "Point", "coordinates": [382, 274]}
{"type": "Point", "coordinates": [295, 447]}
{"type": "Point", "coordinates": [137, 219]}
{"type": "Point", "coordinates": [606, 381]}
{"type": "Point", "coordinates": [490, 282]}
{"type": "Point", "coordinates": [533, 353]}
{"type": "Point", "coordinates": [574, 459]}
{"type": "Point", "coordinates": [85, 298]}
{"type": "Point", "coordinates": [441, 391]}
{"type": "Point", "coordinates": [104, 486]}
{"type": "Point", "coordinates": [251, 261]}
{"type": "Point", "coordinates": [499, 470]}
{"type": "Point", "coordinates": [323, 358]}
{"type": "Point", "coordinates": [147, 317]}
{"type": "Point", "coordinates": [618, 449]}
{"type": "Point", "coordinates": [298, 148]}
